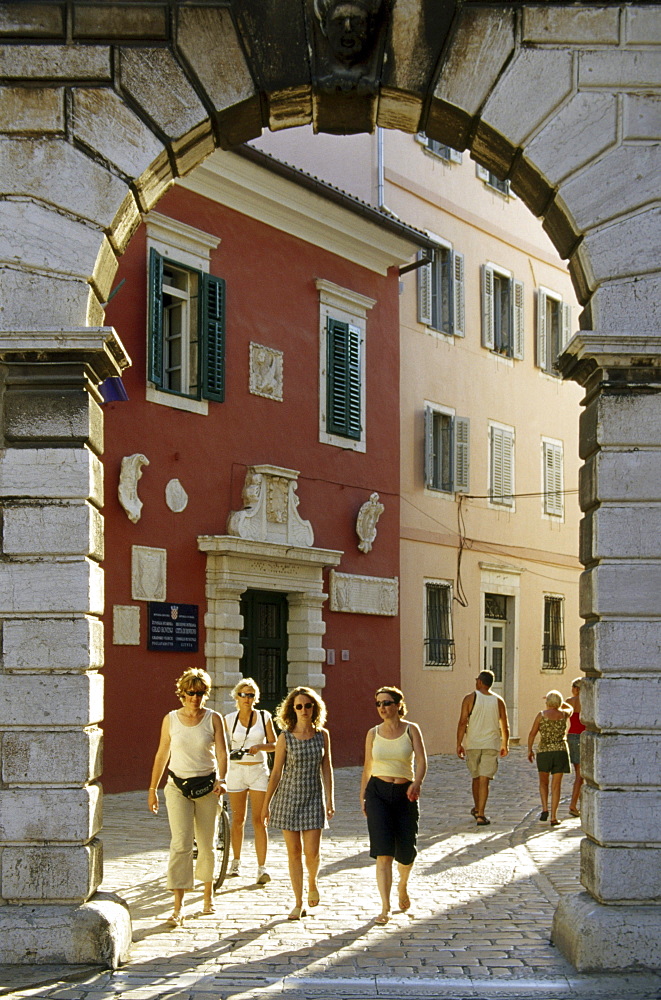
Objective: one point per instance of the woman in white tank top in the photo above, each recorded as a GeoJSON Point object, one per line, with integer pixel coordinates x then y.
{"type": "Point", "coordinates": [193, 745]}
{"type": "Point", "coordinates": [389, 793]}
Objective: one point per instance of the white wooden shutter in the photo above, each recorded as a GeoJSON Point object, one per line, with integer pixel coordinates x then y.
{"type": "Point", "coordinates": [553, 479]}
{"type": "Point", "coordinates": [455, 155]}
{"type": "Point", "coordinates": [488, 336]}
{"type": "Point", "coordinates": [482, 172]}
{"type": "Point", "coordinates": [421, 138]}
{"type": "Point", "coordinates": [541, 330]}
{"type": "Point", "coordinates": [458, 298]}
{"type": "Point", "coordinates": [502, 466]}
{"type": "Point", "coordinates": [518, 333]}
{"type": "Point", "coordinates": [461, 471]}
{"type": "Point", "coordinates": [429, 447]}
{"type": "Point", "coordinates": [424, 292]}
{"type": "Point", "coordinates": [566, 324]}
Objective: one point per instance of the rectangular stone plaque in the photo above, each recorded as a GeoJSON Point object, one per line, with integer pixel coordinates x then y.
{"type": "Point", "coordinates": [364, 595]}
{"type": "Point", "coordinates": [173, 627]}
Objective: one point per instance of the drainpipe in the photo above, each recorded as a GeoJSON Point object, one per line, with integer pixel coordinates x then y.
{"type": "Point", "coordinates": [381, 175]}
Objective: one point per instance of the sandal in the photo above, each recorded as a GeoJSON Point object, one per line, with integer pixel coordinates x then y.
{"type": "Point", "coordinates": [573, 812]}
{"type": "Point", "coordinates": [382, 918]}
{"type": "Point", "coordinates": [543, 816]}
{"type": "Point", "coordinates": [404, 901]}
{"type": "Point", "coordinates": [482, 820]}
{"type": "Point", "coordinates": [473, 811]}
{"type": "Point", "coordinates": [296, 913]}
{"type": "Point", "coordinates": [313, 897]}
{"type": "Point", "coordinates": [555, 822]}
{"type": "Point", "coordinates": [176, 919]}
{"type": "Point", "coordinates": [208, 909]}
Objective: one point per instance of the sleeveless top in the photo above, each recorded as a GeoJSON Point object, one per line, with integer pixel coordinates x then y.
{"type": "Point", "coordinates": [242, 737]}
{"type": "Point", "coordinates": [575, 725]}
{"type": "Point", "coordinates": [392, 758]}
{"type": "Point", "coordinates": [552, 734]}
{"type": "Point", "coordinates": [483, 732]}
{"type": "Point", "coordinates": [192, 748]}
{"type": "Point", "coordinates": [298, 802]}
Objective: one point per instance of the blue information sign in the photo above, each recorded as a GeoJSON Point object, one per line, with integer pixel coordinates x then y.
{"type": "Point", "coordinates": [172, 627]}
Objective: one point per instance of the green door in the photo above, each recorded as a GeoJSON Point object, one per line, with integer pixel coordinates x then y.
{"type": "Point", "coordinates": [264, 639]}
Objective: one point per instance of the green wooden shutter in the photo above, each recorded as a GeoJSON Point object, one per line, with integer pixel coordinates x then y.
{"type": "Point", "coordinates": [458, 299]}
{"type": "Point", "coordinates": [155, 338]}
{"type": "Point", "coordinates": [213, 338]}
{"type": "Point", "coordinates": [461, 454]}
{"type": "Point", "coordinates": [541, 330]}
{"type": "Point", "coordinates": [343, 411]}
{"type": "Point", "coordinates": [518, 335]}
{"type": "Point", "coordinates": [488, 334]}
{"type": "Point", "coordinates": [429, 447]}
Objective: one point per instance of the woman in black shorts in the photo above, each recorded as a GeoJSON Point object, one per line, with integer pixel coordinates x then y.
{"type": "Point", "coordinates": [552, 752]}
{"type": "Point", "coordinates": [389, 793]}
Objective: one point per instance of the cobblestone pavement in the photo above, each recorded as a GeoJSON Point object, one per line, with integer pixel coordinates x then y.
{"type": "Point", "coordinates": [479, 927]}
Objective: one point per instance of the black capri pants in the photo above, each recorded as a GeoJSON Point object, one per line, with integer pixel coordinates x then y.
{"type": "Point", "coordinates": [392, 820]}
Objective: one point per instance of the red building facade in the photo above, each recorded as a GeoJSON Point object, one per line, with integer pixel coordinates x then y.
{"type": "Point", "coordinates": [261, 314]}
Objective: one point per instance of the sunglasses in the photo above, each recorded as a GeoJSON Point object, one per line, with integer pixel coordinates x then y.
{"type": "Point", "coordinates": [308, 704]}
{"type": "Point", "coordinates": [196, 694]}
{"type": "Point", "coordinates": [384, 704]}
{"type": "Point", "coordinates": [246, 694]}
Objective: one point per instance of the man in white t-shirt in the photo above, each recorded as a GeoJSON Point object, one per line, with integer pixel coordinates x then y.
{"type": "Point", "coordinates": [482, 737]}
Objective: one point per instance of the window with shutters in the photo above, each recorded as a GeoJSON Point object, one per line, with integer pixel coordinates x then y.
{"type": "Point", "coordinates": [501, 466]}
{"type": "Point", "coordinates": [553, 329]}
{"type": "Point", "coordinates": [186, 317]}
{"type": "Point", "coordinates": [490, 179]}
{"type": "Point", "coordinates": [553, 478]}
{"type": "Point", "coordinates": [439, 149]}
{"type": "Point", "coordinates": [439, 644]}
{"type": "Point", "coordinates": [441, 303]}
{"type": "Point", "coordinates": [447, 455]}
{"type": "Point", "coordinates": [554, 655]}
{"type": "Point", "coordinates": [502, 312]}
{"type": "Point", "coordinates": [342, 357]}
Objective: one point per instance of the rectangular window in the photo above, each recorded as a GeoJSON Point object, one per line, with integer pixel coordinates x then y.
{"type": "Point", "coordinates": [441, 292]}
{"type": "Point", "coordinates": [439, 148]}
{"type": "Point", "coordinates": [552, 459]}
{"type": "Point", "coordinates": [447, 456]}
{"type": "Point", "coordinates": [554, 655]}
{"type": "Point", "coordinates": [501, 466]}
{"type": "Point", "coordinates": [502, 312]}
{"type": "Point", "coordinates": [186, 330]}
{"type": "Point", "coordinates": [553, 329]}
{"type": "Point", "coordinates": [343, 407]}
{"type": "Point", "coordinates": [439, 644]}
{"type": "Point", "coordinates": [491, 180]}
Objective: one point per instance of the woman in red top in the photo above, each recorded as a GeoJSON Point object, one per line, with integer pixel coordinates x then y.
{"type": "Point", "coordinates": [576, 727]}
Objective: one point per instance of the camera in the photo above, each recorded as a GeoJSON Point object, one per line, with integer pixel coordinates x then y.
{"type": "Point", "coordinates": [238, 754]}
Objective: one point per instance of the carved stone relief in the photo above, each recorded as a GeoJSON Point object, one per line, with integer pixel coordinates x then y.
{"type": "Point", "coordinates": [126, 625]}
{"type": "Point", "coordinates": [266, 372]}
{"type": "Point", "coordinates": [366, 522]}
{"type": "Point", "coordinates": [270, 508]}
{"type": "Point", "coordinates": [175, 496]}
{"type": "Point", "coordinates": [148, 573]}
{"type": "Point", "coordinates": [349, 38]}
{"type": "Point", "coordinates": [127, 491]}
{"type": "Point", "coordinates": [366, 595]}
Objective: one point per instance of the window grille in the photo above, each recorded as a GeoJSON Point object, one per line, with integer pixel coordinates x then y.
{"type": "Point", "coordinates": [439, 644]}
{"type": "Point", "coordinates": [554, 655]}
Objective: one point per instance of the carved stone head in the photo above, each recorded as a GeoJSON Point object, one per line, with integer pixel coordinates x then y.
{"type": "Point", "coordinates": [349, 26]}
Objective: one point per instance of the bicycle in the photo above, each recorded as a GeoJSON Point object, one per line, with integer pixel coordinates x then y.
{"type": "Point", "coordinates": [222, 848]}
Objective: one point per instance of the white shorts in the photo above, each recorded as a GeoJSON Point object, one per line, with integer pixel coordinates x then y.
{"type": "Point", "coordinates": [247, 777]}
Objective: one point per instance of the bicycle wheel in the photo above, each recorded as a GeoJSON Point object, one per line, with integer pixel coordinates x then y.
{"type": "Point", "coordinates": [222, 849]}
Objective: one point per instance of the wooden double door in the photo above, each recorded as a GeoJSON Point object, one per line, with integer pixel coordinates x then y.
{"type": "Point", "coordinates": [264, 640]}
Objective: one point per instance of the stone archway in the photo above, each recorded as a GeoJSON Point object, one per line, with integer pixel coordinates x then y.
{"type": "Point", "coordinates": [102, 107]}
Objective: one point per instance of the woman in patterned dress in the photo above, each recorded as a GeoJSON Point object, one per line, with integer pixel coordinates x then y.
{"type": "Point", "coordinates": [552, 752]}
{"type": "Point", "coordinates": [301, 788]}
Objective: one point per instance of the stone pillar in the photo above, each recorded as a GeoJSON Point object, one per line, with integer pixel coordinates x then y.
{"type": "Point", "coordinates": [223, 650]}
{"type": "Point", "coordinates": [616, 924]}
{"type": "Point", "coordinates": [51, 691]}
{"type": "Point", "coordinates": [305, 627]}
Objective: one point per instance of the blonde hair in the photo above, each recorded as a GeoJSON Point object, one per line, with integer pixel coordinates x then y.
{"type": "Point", "coordinates": [246, 682]}
{"type": "Point", "coordinates": [196, 676]}
{"type": "Point", "coordinates": [397, 696]}
{"type": "Point", "coordinates": [285, 715]}
{"type": "Point", "coordinates": [554, 699]}
{"type": "Point", "coordinates": [577, 683]}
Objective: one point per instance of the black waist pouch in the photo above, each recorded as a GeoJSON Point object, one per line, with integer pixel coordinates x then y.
{"type": "Point", "coordinates": [194, 788]}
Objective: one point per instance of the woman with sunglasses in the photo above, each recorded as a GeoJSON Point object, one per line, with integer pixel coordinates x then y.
{"type": "Point", "coordinates": [193, 744]}
{"type": "Point", "coordinates": [389, 793]}
{"type": "Point", "coordinates": [251, 737]}
{"type": "Point", "coordinates": [301, 787]}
